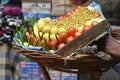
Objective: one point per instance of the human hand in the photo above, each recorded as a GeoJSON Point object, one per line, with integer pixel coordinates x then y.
{"type": "Point", "coordinates": [109, 43]}
{"type": "Point", "coordinates": [116, 32]}
{"type": "Point", "coordinates": [112, 46]}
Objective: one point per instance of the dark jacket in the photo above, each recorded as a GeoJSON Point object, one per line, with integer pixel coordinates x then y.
{"type": "Point", "coordinates": [111, 10]}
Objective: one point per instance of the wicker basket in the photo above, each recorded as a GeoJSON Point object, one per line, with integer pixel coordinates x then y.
{"type": "Point", "coordinates": [83, 62]}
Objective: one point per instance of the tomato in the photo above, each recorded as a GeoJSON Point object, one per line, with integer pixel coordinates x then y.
{"type": "Point", "coordinates": [68, 13]}
{"type": "Point", "coordinates": [33, 40]}
{"type": "Point", "coordinates": [86, 28]}
{"type": "Point", "coordinates": [71, 31]}
{"type": "Point", "coordinates": [42, 43]}
{"type": "Point", "coordinates": [53, 45]}
{"type": "Point", "coordinates": [61, 17]}
{"type": "Point", "coordinates": [94, 23]}
{"type": "Point", "coordinates": [27, 36]}
{"type": "Point", "coordinates": [72, 11]}
{"type": "Point", "coordinates": [77, 34]}
{"type": "Point", "coordinates": [62, 37]}
{"type": "Point", "coordinates": [60, 46]}
{"type": "Point", "coordinates": [69, 39]}
{"type": "Point", "coordinates": [97, 14]}
{"type": "Point", "coordinates": [79, 7]}
{"type": "Point", "coordinates": [76, 9]}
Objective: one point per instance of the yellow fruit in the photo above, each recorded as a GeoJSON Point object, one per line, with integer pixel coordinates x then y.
{"type": "Point", "coordinates": [80, 29]}
{"type": "Point", "coordinates": [48, 19]}
{"type": "Point", "coordinates": [61, 29]}
{"type": "Point", "coordinates": [19, 41]}
{"type": "Point", "coordinates": [26, 44]}
{"type": "Point", "coordinates": [35, 28]}
{"type": "Point", "coordinates": [46, 36]}
{"type": "Point", "coordinates": [88, 23]}
{"type": "Point", "coordinates": [54, 30]}
{"type": "Point", "coordinates": [53, 36]}
{"type": "Point", "coordinates": [36, 34]}
{"type": "Point", "coordinates": [40, 35]}
{"type": "Point", "coordinates": [46, 29]}
{"type": "Point", "coordinates": [40, 24]}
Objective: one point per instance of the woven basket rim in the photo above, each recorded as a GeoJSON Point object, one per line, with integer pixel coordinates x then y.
{"type": "Point", "coordinates": [84, 62]}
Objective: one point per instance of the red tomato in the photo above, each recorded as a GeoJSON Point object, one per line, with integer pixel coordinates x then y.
{"type": "Point", "coordinates": [85, 29]}
{"type": "Point", "coordinates": [53, 44]}
{"type": "Point", "coordinates": [72, 11]}
{"type": "Point", "coordinates": [77, 34]}
{"type": "Point", "coordinates": [68, 13]}
{"type": "Point", "coordinates": [42, 43]}
{"type": "Point", "coordinates": [63, 36]}
{"type": "Point", "coordinates": [94, 23]}
{"type": "Point", "coordinates": [33, 40]}
{"type": "Point", "coordinates": [61, 17]}
{"type": "Point", "coordinates": [76, 9]}
{"type": "Point", "coordinates": [27, 36]}
{"type": "Point", "coordinates": [79, 7]}
{"type": "Point", "coordinates": [60, 46]}
{"type": "Point", "coordinates": [97, 14]}
{"type": "Point", "coordinates": [69, 39]}
{"type": "Point", "coordinates": [71, 31]}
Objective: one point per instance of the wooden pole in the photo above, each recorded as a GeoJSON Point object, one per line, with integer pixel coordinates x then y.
{"type": "Point", "coordinates": [45, 72]}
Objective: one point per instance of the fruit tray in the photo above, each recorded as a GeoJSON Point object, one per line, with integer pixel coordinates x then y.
{"type": "Point", "coordinates": [62, 58]}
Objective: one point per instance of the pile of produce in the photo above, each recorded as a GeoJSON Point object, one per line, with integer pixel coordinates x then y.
{"type": "Point", "coordinates": [52, 35]}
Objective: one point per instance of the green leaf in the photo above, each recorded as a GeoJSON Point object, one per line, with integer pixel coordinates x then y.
{"type": "Point", "coordinates": [42, 35]}
{"type": "Point", "coordinates": [64, 40]}
{"type": "Point", "coordinates": [57, 39]}
{"type": "Point", "coordinates": [39, 36]}
{"type": "Point", "coordinates": [24, 37]}
{"type": "Point", "coordinates": [33, 34]}
{"type": "Point", "coordinates": [37, 43]}
{"type": "Point", "coordinates": [49, 37]}
{"type": "Point", "coordinates": [16, 28]}
{"type": "Point", "coordinates": [54, 47]}
{"type": "Point", "coordinates": [46, 47]}
{"type": "Point", "coordinates": [30, 40]}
